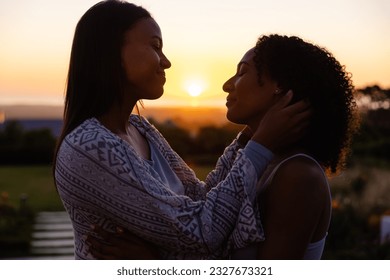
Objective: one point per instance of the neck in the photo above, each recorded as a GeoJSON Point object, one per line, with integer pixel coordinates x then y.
{"type": "Point", "coordinates": [117, 117]}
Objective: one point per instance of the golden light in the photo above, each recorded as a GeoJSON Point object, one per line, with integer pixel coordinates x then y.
{"type": "Point", "coordinates": [2, 117]}
{"type": "Point", "coordinates": [194, 88]}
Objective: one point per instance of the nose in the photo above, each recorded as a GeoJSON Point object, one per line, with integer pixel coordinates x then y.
{"type": "Point", "coordinates": [165, 63]}
{"type": "Point", "coordinates": [228, 86]}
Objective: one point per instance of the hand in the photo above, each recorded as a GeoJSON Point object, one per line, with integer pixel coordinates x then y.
{"type": "Point", "coordinates": [283, 124]}
{"type": "Point", "coordinates": [121, 245]}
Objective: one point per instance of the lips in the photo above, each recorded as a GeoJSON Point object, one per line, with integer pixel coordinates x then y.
{"type": "Point", "coordinates": [230, 101]}
{"type": "Point", "coordinates": [162, 75]}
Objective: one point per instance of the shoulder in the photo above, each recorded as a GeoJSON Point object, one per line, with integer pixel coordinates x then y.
{"type": "Point", "coordinates": [303, 167]}
{"type": "Point", "coordinates": [301, 176]}
{"type": "Point", "coordinates": [92, 140]}
{"type": "Point", "coordinates": [140, 122]}
{"type": "Point", "coordinates": [89, 132]}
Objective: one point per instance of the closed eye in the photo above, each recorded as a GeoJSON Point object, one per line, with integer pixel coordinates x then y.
{"type": "Point", "coordinates": [241, 73]}
{"type": "Point", "coordinates": [157, 43]}
{"type": "Point", "coordinates": [157, 47]}
{"type": "Point", "coordinates": [241, 69]}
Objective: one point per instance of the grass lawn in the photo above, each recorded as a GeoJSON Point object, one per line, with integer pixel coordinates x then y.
{"type": "Point", "coordinates": [37, 183]}
{"type": "Point", "coordinates": [363, 186]}
{"type": "Point", "coordinates": [202, 171]}
{"type": "Point", "coordinates": [34, 181]}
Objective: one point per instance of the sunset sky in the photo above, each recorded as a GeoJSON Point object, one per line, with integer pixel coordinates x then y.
{"type": "Point", "coordinates": [204, 40]}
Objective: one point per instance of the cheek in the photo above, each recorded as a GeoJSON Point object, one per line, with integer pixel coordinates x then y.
{"type": "Point", "coordinates": [135, 63]}
{"type": "Point", "coordinates": [135, 71]}
{"type": "Point", "coordinates": [130, 66]}
{"type": "Point", "coordinates": [254, 103]}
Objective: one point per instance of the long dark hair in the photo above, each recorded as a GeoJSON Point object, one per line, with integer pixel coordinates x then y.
{"type": "Point", "coordinates": [96, 78]}
{"type": "Point", "coordinates": [313, 74]}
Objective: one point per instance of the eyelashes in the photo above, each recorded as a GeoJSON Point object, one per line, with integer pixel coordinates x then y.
{"type": "Point", "coordinates": [241, 70]}
{"type": "Point", "coordinates": [240, 74]}
{"type": "Point", "coordinates": [157, 47]}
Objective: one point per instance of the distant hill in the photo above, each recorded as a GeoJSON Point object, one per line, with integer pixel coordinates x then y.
{"type": "Point", "coordinates": [187, 117]}
{"type": "Point", "coordinates": [191, 118]}
{"type": "Point", "coordinates": [31, 111]}
{"type": "Point", "coordinates": [55, 125]}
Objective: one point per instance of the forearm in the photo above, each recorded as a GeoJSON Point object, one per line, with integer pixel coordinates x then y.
{"type": "Point", "coordinates": [150, 210]}
{"type": "Point", "coordinates": [226, 160]}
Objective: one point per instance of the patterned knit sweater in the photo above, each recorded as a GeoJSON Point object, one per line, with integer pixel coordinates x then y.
{"type": "Point", "coordinates": [102, 180]}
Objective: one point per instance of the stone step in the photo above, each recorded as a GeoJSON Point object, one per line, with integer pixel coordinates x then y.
{"type": "Point", "coordinates": [52, 236]}
{"type": "Point", "coordinates": [58, 234]}
{"type": "Point", "coordinates": [53, 227]}
{"type": "Point", "coordinates": [52, 218]}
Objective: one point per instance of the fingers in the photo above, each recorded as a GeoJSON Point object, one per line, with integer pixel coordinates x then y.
{"type": "Point", "coordinates": [100, 256]}
{"type": "Point", "coordinates": [97, 248]}
{"type": "Point", "coordinates": [302, 116]}
{"type": "Point", "coordinates": [120, 244]}
{"type": "Point", "coordinates": [284, 101]}
{"type": "Point", "coordinates": [124, 235]}
{"type": "Point", "coordinates": [299, 123]}
{"type": "Point", "coordinates": [104, 252]}
{"type": "Point", "coordinates": [121, 236]}
{"type": "Point", "coordinates": [120, 233]}
{"type": "Point", "coordinates": [297, 107]}
{"type": "Point", "coordinates": [101, 232]}
{"type": "Point", "coordinates": [119, 230]}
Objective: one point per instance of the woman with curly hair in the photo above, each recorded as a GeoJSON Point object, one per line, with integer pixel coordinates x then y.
{"type": "Point", "coordinates": [294, 198]}
{"type": "Point", "coordinates": [293, 193]}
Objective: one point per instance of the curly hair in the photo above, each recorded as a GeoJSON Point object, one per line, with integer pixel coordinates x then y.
{"type": "Point", "coordinates": [312, 73]}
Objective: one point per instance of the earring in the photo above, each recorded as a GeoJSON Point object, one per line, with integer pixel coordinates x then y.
{"type": "Point", "coordinates": [277, 91]}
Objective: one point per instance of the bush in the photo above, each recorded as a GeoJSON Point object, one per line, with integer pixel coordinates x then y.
{"type": "Point", "coordinates": [15, 228]}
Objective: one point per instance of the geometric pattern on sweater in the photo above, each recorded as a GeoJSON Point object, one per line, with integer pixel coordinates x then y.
{"type": "Point", "coordinates": [102, 180]}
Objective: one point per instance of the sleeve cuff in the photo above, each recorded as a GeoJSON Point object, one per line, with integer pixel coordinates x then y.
{"type": "Point", "coordinates": [259, 155]}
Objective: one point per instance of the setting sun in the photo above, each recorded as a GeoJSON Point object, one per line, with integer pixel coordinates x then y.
{"type": "Point", "coordinates": [203, 55]}
{"type": "Point", "coordinates": [194, 90]}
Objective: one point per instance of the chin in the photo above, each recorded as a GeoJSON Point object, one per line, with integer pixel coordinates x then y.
{"type": "Point", "coordinates": [155, 95]}
{"type": "Point", "coordinates": [230, 117]}
{"type": "Point", "coordinates": [233, 119]}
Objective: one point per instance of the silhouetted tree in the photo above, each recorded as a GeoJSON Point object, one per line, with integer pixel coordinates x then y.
{"type": "Point", "coordinates": [25, 147]}
{"type": "Point", "coordinates": [179, 138]}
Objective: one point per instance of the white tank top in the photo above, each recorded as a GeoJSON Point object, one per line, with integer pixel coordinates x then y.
{"type": "Point", "coordinates": [314, 250]}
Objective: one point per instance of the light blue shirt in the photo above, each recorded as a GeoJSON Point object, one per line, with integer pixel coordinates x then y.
{"type": "Point", "coordinates": [258, 155]}
{"type": "Point", "coordinates": [164, 171]}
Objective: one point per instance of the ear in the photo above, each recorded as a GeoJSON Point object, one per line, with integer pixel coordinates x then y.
{"type": "Point", "coordinates": [276, 95]}
{"type": "Point", "coordinates": [277, 88]}
{"type": "Point", "coordinates": [280, 91]}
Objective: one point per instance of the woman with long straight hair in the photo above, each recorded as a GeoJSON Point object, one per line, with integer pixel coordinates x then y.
{"type": "Point", "coordinates": [113, 168]}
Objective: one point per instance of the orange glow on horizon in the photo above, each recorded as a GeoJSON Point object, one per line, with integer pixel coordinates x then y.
{"type": "Point", "coordinates": [204, 47]}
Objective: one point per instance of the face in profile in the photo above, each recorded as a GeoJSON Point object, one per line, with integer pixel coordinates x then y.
{"type": "Point", "coordinates": [143, 60]}
{"type": "Point", "coordinates": [249, 98]}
